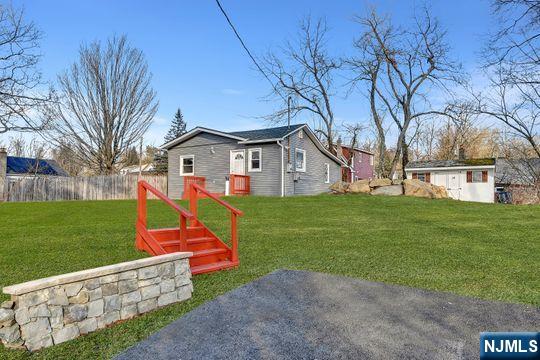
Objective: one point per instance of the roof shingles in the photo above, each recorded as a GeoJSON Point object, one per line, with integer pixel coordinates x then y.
{"type": "Point", "coordinates": [266, 134]}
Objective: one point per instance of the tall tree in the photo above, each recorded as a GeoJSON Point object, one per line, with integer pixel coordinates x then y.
{"type": "Point", "coordinates": [402, 67]}
{"type": "Point", "coordinates": [305, 72]}
{"type": "Point", "coordinates": [178, 127]}
{"type": "Point", "coordinates": [105, 105]}
{"type": "Point", "coordinates": [19, 76]}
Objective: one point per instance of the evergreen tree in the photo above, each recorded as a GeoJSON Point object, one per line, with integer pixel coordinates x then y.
{"type": "Point", "coordinates": [178, 127]}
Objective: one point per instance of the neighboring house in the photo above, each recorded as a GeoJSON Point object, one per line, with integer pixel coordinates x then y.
{"type": "Point", "coordinates": [281, 161]}
{"type": "Point", "coordinates": [136, 169]}
{"type": "Point", "coordinates": [29, 167]}
{"type": "Point", "coordinates": [469, 180]}
{"type": "Point", "coordinates": [361, 163]}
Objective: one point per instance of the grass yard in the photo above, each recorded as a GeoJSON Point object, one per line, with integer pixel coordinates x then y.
{"type": "Point", "coordinates": [481, 250]}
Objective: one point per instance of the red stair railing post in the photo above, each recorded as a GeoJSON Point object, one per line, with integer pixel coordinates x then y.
{"type": "Point", "coordinates": [141, 213]}
{"type": "Point", "coordinates": [183, 233]}
{"type": "Point", "coordinates": [234, 237]}
{"type": "Point", "coordinates": [193, 204]}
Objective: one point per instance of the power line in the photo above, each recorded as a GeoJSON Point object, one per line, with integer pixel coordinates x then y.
{"type": "Point", "coordinates": [247, 50]}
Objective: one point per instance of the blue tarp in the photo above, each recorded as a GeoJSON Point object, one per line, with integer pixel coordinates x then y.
{"type": "Point", "coordinates": [22, 165]}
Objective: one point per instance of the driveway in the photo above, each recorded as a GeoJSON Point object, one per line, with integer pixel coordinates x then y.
{"type": "Point", "coordinates": [307, 315]}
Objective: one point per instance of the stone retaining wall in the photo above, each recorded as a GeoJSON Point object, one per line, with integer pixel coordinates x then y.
{"type": "Point", "coordinates": [53, 310]}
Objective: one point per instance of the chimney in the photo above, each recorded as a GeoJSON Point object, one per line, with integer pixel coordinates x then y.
{"type": "Point", "coordinates": [461, 155]}
{"type": "Point", "coordinates": [339, 149]}
{"type": "Point", "coordinates": [3, 173]}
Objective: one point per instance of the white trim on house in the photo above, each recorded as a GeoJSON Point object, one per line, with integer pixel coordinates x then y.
{"type": "Point", "coordinates": [250, 152]}
{"type": "Point", "coordinates": [304, 160]}
{"type": "Point", "coordinates": [196, 131]}
{"type": "Point", "coordinates": [182, 173]}
{"type": "Point", "coordinates": [470, 167]}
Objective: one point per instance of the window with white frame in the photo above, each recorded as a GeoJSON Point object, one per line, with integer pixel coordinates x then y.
{"type": "Point", "coordinates": [187, 165]}
{"type": "Point", "coordinates": [300, 159]}
{"type": "Point", "coordinates": [371, 160]}
{"type": "Point", "coordinates": [477, 177]}
{"type": "Point", "coordinates": [254, 160]}
{"type": "Point", "coordinates": [327, 173]}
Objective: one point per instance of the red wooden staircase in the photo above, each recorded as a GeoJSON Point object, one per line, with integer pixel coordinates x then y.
{"type": "Point", "coordinates": [210, 253]}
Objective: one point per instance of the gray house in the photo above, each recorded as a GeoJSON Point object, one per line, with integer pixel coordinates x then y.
{"type": "Point", "coordinates": [281, 161]}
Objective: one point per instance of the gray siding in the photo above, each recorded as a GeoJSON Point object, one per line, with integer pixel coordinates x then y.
{"type": "Point", "coordinates": [312, 181]}
{"type": "Point", "coordinates": [215, 166]}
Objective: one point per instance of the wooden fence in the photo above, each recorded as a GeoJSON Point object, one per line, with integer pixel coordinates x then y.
{"type": "Point", "coordinates": [52, 188]}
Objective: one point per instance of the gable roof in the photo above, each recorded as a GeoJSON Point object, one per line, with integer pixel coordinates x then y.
{"type": "Point", "coordinates": [267, 134]}
{"type": "Point", "coordinates": [23, 165]}
{"type": "Point", "coordinates": [428, 164]}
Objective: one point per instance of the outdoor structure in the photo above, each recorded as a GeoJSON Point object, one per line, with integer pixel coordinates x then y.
{"type": "Point", "coordinates": [53, 310]}
{"type": "Point", "coordinates": [520, 178]}
{"type": "Point", "coordinates": [361, 163]}
{"type": "Point", "coordinates": [281, 161]}
{"type": "Point", "coordinates": [468, 180]}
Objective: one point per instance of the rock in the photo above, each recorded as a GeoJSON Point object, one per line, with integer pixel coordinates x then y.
{"type": "Point", "coordinates": [75, 313]}
{"type": "Point", "coordinates": [108, 279]}
{"type": "Point", "coordinates": [184, 293]}
{"type": "Point", "coordinates": [167, 286]}
{"type": "Point", "coordinates": [128, 275]}
{"type": "Point", "coordinates": [32, 299]}
{"type": "Point", "coordinates": [73, 289]}
{"type": "Point", "coordinates": [6, 315]}
{"type": "Point", "coordinates": [57, 317]}
{"type": "Point", "coordinates": [397, 182]}
{"type": "Point", "coordinates": [360, 186]}
{"type": "Point", "coordinates": [16, 345]}
{"type": "Point", "coordinates": [81, 298]}
{"type": "Point", "coordinates": [109, 289]}
{"type": "Point", "coordinates": [22, 316]}
{"type": "Point", "coordinates": [181, 267]}
{"type": "Point", "coordinates": [95, 308]}
{"type": "Point", "coordinates": [167, 299]}
{"type": "Point", "coordinates": [131, 298]}
{"type": "Point", "coordinates": [10, 334]}
{"type": "Point", "coordinates": [36, 329]}
{"type": "Point", "coordinates": [147, 272]}
{"type": "Point", "coordinates": [128, 311]}
{"type": "Point", "coordinates": [150, 292]}
{"type": "Point", "coordinates": [107, 319]}
{"type": "Point", "coordinates": [112, 303]}
{"type": "Point", "coordinates": [39, 311]}
{"type": "Point", "coordinates": [95, 294]}
{"type": "Point", "coordinates": [147, 305]}
{"type": "Point", "coordinates": [339, 187]}
{"type": "Point", "coordinates": [375, 183]}
{"type": "Point", "coordinates": [148, 282]}
{"type": "Point", "coordinates": [390, 190]}
{"type": "Point", "coordinates": [126, 286]}
{"type": "Point", "coordinates": [9, 304]}
{"type": "Point", "coordinates": [38, 343]}
{"type": "Point", "coordinates": [182, 280]}
{"type": "Point", "coordinates": [57, 296]}
{"type": "Point", "coordinates": [415, 187]}
{"type": "Point", "coordinates": [166, 270]}
{"type": "Point", "coordinates": [67, 333]}
{"type": "Point", "coordinates": [87, 326]}
{"type": "Point", "coordinates": [91, 284]}
{"type": "Point", "coordinates": [7, 323]}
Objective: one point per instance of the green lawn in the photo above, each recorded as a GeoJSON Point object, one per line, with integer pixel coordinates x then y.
{"type": "Point", "coordinates": [482, 250]}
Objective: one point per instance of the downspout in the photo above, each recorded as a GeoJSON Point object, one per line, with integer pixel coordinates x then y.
{"type": "Point", "coordinates": [282, 170]}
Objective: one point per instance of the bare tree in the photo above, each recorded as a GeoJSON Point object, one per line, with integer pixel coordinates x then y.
{"type": "Point", "coordinates": [19, 77]}
{"type": "Point", "coordinates": [352, 133]}
{"type": "Point", "coordinates": [105, 105]}
{"type": "Point", "coordinates": [305, 72]}
{"type": "Point", "coordinates": [408, 63]}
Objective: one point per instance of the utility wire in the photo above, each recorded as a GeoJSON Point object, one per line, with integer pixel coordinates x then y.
{"type": "Point", "coordinates": [247, 50]}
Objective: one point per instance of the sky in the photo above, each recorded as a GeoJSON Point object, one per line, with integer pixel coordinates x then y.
{"type": "Point", "coordinates": [199, 66]}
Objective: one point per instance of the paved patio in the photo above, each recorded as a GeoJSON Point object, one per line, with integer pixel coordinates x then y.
{"type": "Point", "coordinates": [306, 315]}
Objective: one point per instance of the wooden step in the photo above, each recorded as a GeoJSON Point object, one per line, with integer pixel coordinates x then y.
{"type": "Point", "coordinates": [221, 265]}
{"type": "Point", "coordinates": [201, 243]}
{"type": "Point", "coordinates": [208, 256]}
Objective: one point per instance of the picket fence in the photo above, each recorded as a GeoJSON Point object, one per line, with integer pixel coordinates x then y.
{"type": "Point", "coordinates": [53, 188]}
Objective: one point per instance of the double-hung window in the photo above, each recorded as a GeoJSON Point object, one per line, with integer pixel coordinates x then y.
{"type": "Point", "coordinates": [187, 165]}
{"type": "Point", "coordinates": [300, 160]}
{"type": "Point", "coordinates": [254, 160]}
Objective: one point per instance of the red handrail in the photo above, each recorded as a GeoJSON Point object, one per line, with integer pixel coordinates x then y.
{"type": "Point", "coordinates": [188, 180]}
{"type": "Point", "coordinates": [194, 189]}
{"type": "Point", "coordinates": [142, 231]}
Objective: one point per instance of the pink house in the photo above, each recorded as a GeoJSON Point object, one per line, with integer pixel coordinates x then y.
{"type": "Point", "coordinates": [361, 164]}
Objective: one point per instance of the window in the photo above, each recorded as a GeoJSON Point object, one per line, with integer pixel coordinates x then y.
{"type": "Point", "coordinates": [255, 159]}
{"type": "Point", "coordinates": [371, 160]}
{"type": "Point", "coordinates": [300, 156]}
{"type": "Point", "coordinates": [425, 177]}
{"type": "Point", "coordinates": [422, 177]}
{"type": "Point", "coordinates": [327, 173]}
{"type": "Point", "coordinates": [301, 134]}
{"type": "Point", "coordinates": [478, 176]}
{"type": "Point", "coordinates": [187, 165]}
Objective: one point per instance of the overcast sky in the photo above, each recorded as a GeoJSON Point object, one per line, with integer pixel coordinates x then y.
{"type": "Point", "coordinates": [198, 64]}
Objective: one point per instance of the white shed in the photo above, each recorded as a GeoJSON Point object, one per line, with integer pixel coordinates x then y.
{"type": "Point", "coordinates": [468, 180]}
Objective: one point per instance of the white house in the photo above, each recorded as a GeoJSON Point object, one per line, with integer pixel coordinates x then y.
{"type": "Point", "coordinates": [468, 180]}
